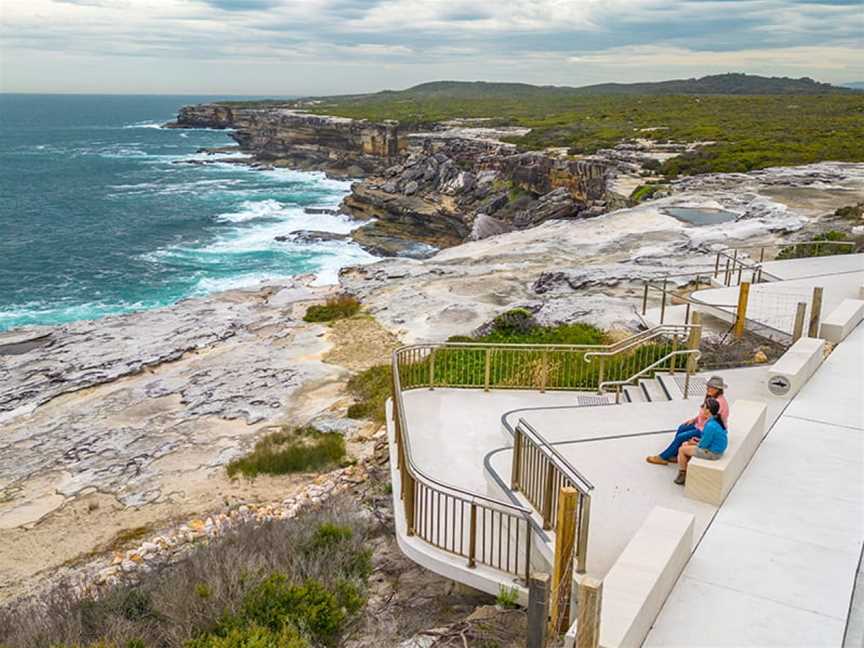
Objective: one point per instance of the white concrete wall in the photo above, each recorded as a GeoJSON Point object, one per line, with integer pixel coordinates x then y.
{"type": "Point", "coordinates": [794, 368]}
{"type": "Point", "coordinates": [842, 320]}
{"type": "Point", "coordinates": [711, 480]}
{"type": "Point", "coordinates": [639, 582]}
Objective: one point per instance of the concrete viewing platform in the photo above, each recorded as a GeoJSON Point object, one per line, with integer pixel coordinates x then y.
{"type": "Point", "coordinates": [457, 437]}
{"type": "Point", "coordinates": [761, 547]}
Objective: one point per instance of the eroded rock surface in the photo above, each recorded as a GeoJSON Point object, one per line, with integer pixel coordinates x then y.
{"type": "Point", "coordinates": [592, 270]}
{"type": "Point", "coordinates": [141, 412]}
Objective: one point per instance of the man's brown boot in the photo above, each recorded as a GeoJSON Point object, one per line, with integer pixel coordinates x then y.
{"type": "Point", "coordinates": [656, 459]}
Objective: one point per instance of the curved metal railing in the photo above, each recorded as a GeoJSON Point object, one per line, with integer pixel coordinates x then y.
{"type": "Point", "coordinates": [479, 528]}
{"type": "Point", "coordinates": [454, 519]}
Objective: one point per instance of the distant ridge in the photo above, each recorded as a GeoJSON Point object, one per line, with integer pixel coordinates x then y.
{"type": "Point", "coordinates": [719, 84]}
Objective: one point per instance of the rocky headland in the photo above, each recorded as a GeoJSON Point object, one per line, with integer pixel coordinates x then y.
{"type": "Point", "coordinates": [128, 422]}
{"type": "Point", "coordinates": [421, 191]}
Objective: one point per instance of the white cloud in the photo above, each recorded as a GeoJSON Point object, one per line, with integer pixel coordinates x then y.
{"type": "Point", "coordinates": [332, 45]}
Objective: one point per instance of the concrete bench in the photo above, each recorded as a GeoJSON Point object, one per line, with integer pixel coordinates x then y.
{"type": "Point", "coordinates": [637, 585]}
{"type": "Point", "coordinates": [842, 320]}
{"type": "Point", "coordinates": [710, 480]}
{"type": "Point", "coordinates": [795, 367]}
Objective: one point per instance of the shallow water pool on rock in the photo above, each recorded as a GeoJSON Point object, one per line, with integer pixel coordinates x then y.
{"type": "Point", "coordinates": [701, 215]}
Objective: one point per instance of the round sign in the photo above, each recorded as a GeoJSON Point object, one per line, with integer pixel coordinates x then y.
{"type": "Point", "coordinates": [778, 385]}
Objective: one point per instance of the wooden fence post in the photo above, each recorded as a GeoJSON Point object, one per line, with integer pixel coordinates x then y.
{"type": "Point", "coordinates": [590, 598]}
{"type": "Point", "coordinates": [516, 469]}
{"type": "Point", "coordinates": [408, 500]}
{"type": "Point", "coordinates": [692, 344]}
{"type": "Point", "coordinates": [741, 313]}
{"type": "Point", "coordinates": [562, 574]}
{"type": "Point", "coordinates": [538, 610]}
{"type": "Point", "coordinates": [432, 370]}
{"type": "Point", "coordinates": [487, 370]}
{"type": "Point", "coordinates": [798, 330]}
{"type": "Point", "coordinates": [815, 312]}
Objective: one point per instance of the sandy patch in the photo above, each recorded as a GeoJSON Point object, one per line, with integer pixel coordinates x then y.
{"type": "Point", "coordinates": [359, 343]}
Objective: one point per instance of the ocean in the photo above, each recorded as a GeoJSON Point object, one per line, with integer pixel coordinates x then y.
{"type": "Point", "coordinates": [100, 215]}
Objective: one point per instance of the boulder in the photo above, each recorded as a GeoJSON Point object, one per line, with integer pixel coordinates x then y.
{"type": "Point", "coordinates": [486, 226]}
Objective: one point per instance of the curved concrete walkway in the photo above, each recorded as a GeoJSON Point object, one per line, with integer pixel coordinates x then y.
{"type": "Point", "coordinates": [777, 566]}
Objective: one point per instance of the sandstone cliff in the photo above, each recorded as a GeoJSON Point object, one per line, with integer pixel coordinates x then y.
{"type": "Point", "coordinates": [442, 194]}
{"type": "Point", "coordinates": [422, 191]}
{"type": "Point", "coordinates": [285, 137]}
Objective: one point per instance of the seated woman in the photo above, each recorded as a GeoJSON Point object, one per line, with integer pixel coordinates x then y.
{"type": "Point", "coordinates": [711, 445]}
{"type": "Point", "coordinates": [692, 428]}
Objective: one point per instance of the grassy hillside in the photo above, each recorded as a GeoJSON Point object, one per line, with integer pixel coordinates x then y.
{"type": "Point", "coordinates": [754, 122]}
{"type": "Point", "coordinates": [750, 132]}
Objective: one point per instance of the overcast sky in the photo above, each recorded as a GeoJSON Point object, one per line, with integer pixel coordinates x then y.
{"type": "Point", "coordinates": [291, 47]}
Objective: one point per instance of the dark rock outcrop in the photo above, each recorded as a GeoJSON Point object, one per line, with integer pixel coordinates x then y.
{"type": "Point", "coordinates": [311, 236]}
{"type": "Point", "coordinates": [291, 138]}
{"type": "Point", "coordinates": [443, 200]}
{"type": "Point", "coordinates": [426, 191]}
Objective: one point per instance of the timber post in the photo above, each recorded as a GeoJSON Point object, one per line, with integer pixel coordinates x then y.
{"type": "Point", "coordinates": [590, 598]}
{"type": "Point", "coordinates": [562, 574]}
{"type": "Point", "coordinates": [815, 312]}
{"type": "Point", "coordinates": [741, 313]}
{"type": "Point", "coordinates": [538, 610]}
{"type": "Point", "coordinates": [800, 314]}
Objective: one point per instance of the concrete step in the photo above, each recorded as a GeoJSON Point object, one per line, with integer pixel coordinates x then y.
{"type": "Point", "coordinates": [675, 385]}
{"type": "Point", "coordinates": [672, 315]}
{"type": "Point", "coordinates": [634, 394]}
{"type": "Point", "coordinates": [672, 387]}
{"type": "Point", "coordinates": [653, 391]}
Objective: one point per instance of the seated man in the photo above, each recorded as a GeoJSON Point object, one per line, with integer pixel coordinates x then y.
{"type": "Point", "coordinates": [692, 428]}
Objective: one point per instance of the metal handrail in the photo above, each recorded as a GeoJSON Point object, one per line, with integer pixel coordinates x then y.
{"type": "Point", "coordinates": [644, 336]}
{"type": "Point", "coordinates": [565, 466]}
{"type": "Point", "coordinates": [695, 353]}
{"type": "Point", "coordinates": [418, 472]}
{"type": "Point", "coordinates": [757, 265]}
{"type": "Point", "coordinates": [419, 490]}
{"type": "Point", "coordinates": [540, 472]}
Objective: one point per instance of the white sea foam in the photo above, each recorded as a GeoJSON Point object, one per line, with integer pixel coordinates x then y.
{"type": "Point", "coordinates": [144, 124]}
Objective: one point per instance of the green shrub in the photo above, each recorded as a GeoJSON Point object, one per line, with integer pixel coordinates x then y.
{"type": "Point", "coordinates": [328, 535]}
{"type": "Point", "coordinates": [252, 636]}
{"type": "Point", "coordinates": [370, 389]}
{"type": "Point", "coordinates": [644, 192]}
{"type": "Point", "coordinates": [854, 212]}
{"type": "Point", "coordinates": [508, 597]}
{"type": "Point", "coordinates": [800, 251]}
{"type": "Point", "coordinates": [338, 307]}
{"type": "Point", "coordinates": [290, 451]}
{"type": "Point", "coordinates": [560, 334]}
{"type": "Point", "coordinates": [310, 606]}
{"type": "Point", "coordinates": [516, 321]}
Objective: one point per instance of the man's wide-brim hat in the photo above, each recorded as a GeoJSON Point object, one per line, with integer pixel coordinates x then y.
{"type": "Point", "coordinates": [716, 382]}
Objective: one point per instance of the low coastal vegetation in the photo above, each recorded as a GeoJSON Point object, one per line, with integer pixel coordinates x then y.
{"type": "Point", "coordinates": [645, 192]}
{"type": "Point", "coordinates": [801, 251]}
{"type": "Point", "coordinates": [370, 389]}
{"type": "Point", "coordinates": [284, 584]}
{"type": "Point", "coordinates": [337, 307]}
{"type": "Point", "coordinates": [741, 132]}
{"type": "Point", "coordinates": [466, 365]}
{"type": "Point", "coordinates": [289, 450]}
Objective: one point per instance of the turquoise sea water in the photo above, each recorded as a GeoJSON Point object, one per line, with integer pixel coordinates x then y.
{"type": "Point", "coordinates": [99, 215]}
